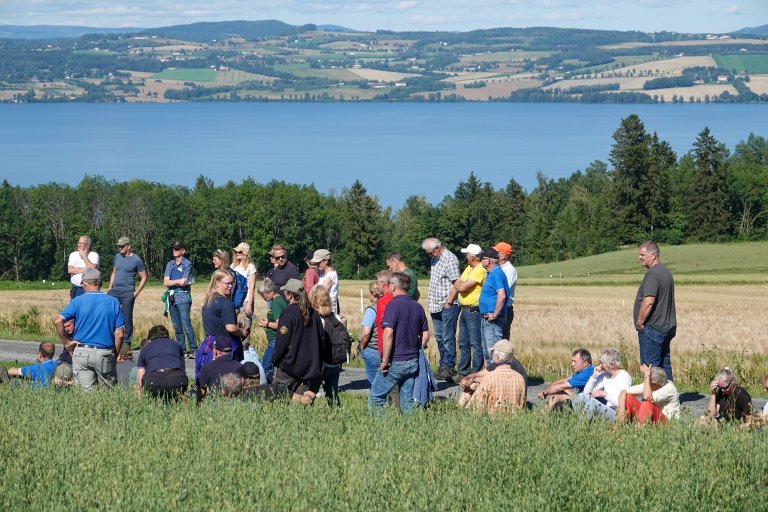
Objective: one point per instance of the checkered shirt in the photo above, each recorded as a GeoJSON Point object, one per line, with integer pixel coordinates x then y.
{"type": "Point", "coordinates": [502, 390]}
{"type": "Point", "coordinates": [445, 270]}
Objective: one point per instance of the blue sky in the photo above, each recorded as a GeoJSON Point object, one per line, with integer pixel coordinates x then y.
{"type": "Point", "coordinates": [645, 15]}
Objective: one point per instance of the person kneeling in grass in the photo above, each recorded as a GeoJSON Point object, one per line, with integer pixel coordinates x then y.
{"type": "Point", "coordinates": [40, 374]}
{"type": "Point", "coordinates": [658, 400]}
{"type": "Point", "coordinates": [728, 402]}
{"type": "Point", "coordinates": [502, 389]}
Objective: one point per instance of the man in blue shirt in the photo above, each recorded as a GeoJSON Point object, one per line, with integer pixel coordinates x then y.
{"type": "Point", "coordinates": [405, 332]}
{"type": "Point", "coordinates": [42, 372]}
{"type": "Point", "coordinates": [98, 334]}
{"type": "Point", "coordinates": [122, 286]}
{"type": "Point", "coordinates": [565, 389]}
{"type": "Point", "coordinates": [493, 301]}
{"type": "Point", "coordinates": [178, 278]}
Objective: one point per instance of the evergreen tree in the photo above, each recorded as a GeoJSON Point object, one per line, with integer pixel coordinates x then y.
{"type": "Point", "coordinates": [708, 214]}
{"type": "Point", "coordinates": [363, 230]}
{"type": "Point", "coordinates": [656, 186]}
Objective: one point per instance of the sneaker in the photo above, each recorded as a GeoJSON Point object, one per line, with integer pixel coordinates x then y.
{"type": "Point", "coordinates": [443, 373]}
{"type": "Point", "coordinates": [190, 355]}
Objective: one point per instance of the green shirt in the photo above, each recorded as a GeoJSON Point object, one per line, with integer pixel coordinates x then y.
{"type": "Point", "coordinates": [275, 308]}
{"type": "Point", "coordinates": [413, 290]}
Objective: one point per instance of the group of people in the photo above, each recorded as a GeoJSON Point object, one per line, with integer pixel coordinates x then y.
{"type": "Point", "coordinates": [306, 334]}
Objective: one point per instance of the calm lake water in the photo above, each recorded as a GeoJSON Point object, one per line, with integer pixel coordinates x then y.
{"type": "Point", "coordinates": [396, 150]}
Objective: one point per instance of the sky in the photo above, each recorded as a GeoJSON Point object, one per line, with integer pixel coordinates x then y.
{"type": "Point", "coordinates": [699, 16]}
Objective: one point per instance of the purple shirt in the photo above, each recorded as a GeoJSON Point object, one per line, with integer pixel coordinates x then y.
{"type": "Point", "coordinates": [407, 319]}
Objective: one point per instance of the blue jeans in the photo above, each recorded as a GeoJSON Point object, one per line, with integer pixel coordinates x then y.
{"type": "Point", "coordinates": [590, 407]}
{"type": "Point", "coordinates": [493, 331]}
{"type": "Point", "coordinates": [654, 348]}
{"type": "Point", "coordinates": [266, 361]}
{"type": "Point", "coordinates": [182, 325]}
{"type": "Point", "coordinates": [444, 325]}
{"type": "Point", "coordinates": [402, 373]}
{"type": "Point", "coordinates": [470, 339]}
{"type": "Point", "coordinates": [126, 300]}
{"type": "Point", "coordinates": [372, 362]}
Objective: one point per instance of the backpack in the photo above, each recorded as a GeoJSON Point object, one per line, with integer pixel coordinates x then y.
{"type": "Point", "coordinates": [339, 341]}
{"type": "Point", "coordinates": [239, 289]}
{"type": "Point", "coordinates": [203, 355]}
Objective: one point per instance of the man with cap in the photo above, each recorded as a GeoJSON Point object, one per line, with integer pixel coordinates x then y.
{"type": "Point", "coordinates": [468, 287]}
{"type": "Point", "coordinates": [444, 271]}
{"type": "Point", "coordinates": [178, 278]}
{"type": "Point", "coordinates": [493, 301]}
{"type": "Point", "coordinates": [80, 260]}
{"type": "Point", "coordinates": [283, 269]}
{"type": "Point", "coordinates": [222, 363]}
{"type": "Point", "coordinates": [311, 277]}
{"type": "Point", "coordinates": [505, 251]}
{"type": "Point", "coordinates": [122, 286]}
{"type": "Point", "coordinates": [40, 373]}
{"type": "Point", "coordinates": [501, 390]}
{"type": "Point", "coordinates": [160, 368]}
{"type": "Point", "coordinates": [98, 334]}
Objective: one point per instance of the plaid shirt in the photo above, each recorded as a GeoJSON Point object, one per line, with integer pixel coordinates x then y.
{"type": "Point", "coordinates": [502, 390]}
{"type": "Point", "coordinates": [445, 270]}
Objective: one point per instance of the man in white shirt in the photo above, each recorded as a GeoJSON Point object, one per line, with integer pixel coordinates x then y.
{"type": "Point", "coordinates": [80, 260]}
{"type": "Point", "coordinates": [505, 251]}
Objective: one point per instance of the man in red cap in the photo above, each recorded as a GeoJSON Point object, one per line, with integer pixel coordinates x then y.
{"type": "Point", "coordinates": [505, 251]}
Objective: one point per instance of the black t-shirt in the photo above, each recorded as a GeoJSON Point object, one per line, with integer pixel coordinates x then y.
{"type": "Point", "coordinates": [217, 315]}
{"type": "Point", "coordinates": [210, 373]}
{"type": "Point", "coordinates": [159, 354]}
{"type": "Point", "coordinates": [280, 276]}
{"type": "Point", "coordinates": [735, 406]}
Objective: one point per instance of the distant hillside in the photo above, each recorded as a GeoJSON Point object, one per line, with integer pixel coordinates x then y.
{"type": "Point", "coordinates": [335, 28]}
{"type": "Point", "coordinates": [762, 30]}
{"type": "Point", "coordinates": [57, 31]}
{"type": "Point", "coordinates": [221, 30]}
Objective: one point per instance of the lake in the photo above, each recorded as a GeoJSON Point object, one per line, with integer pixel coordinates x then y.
{"type": "Point", "coordinates": [394, 149]}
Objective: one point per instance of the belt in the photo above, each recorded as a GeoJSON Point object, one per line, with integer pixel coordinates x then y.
{"type": "Point", "coordinates": [83, 345]}
{"type": "Point", "coordinates": [472, 309]}
{"type": "Point", "coordinates": [166, 370]}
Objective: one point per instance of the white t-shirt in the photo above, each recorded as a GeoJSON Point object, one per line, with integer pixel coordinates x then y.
{"type": "Point", "coordinates": [245, 272]}
{"type": "Point", "coordinates": [334, 289]}
{"type": "Point", "coordinates": [76, 261]}
{"type": "Point", "coordinates": [666, 398]}
{"type": "Point", "coordinates": [613, 386]}
{"type": "Point", "coordinates": [511, 272]}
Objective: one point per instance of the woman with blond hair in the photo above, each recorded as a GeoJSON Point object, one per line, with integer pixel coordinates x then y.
{"type": "Point", "coordinates": [242, 264]}
{"type": "Point", "coordinates": [219, 318]}
{"type": "Point", "coordinates": [321, 302]}
{"type": "Point", "coordinates": [369, 335]}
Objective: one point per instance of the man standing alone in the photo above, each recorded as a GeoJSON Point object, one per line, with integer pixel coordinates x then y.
{"type": "Point", "coordinates": [80, 260]}
{"type": "Point", "coordinates": [654, 312]}
{"type": "Point", "coordinates": [122, 286]}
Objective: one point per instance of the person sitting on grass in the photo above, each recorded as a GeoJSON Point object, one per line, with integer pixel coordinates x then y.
{"type": "Point", "coordinates": [601, 393]}
{"type": "Point", "coordinates": [728, 402]}
{"type": "Point", "coordinates": [567, 388]}
{"type": "Point", "coordinates": [470, 383]}
{"type": "Point", "coordinates": [502, 389]}
{"type": "Point", "coordinates": [40, 373]}
{"type": "Point", "coordinates": [231, 385]}
{"type": "Point", "coordinates": [659, 398]}
{"type": "Point", "coordinates": [222, 364]}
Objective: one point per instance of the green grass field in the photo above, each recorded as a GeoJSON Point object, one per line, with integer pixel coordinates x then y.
{"type": "Point", "coordinates": [186, 75]}
{"type": "Point", "coordinates": [707, 263]}
{"type": "Point", "coordinates": [756, 64]}
{"type": "Point", "coordinates": [108, 450]}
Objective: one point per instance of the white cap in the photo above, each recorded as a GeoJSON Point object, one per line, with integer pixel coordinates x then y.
{"type": "Point", "coordinates": [472, 249]}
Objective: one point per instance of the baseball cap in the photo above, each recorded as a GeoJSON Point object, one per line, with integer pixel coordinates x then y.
{"type": "Point", "coordinates": [249, 370]}
{"type": "Point", "coordinates": [309, 255]}
{"type": "Point", "coordinates": [472, 249]}
{"type": "Point", "coordinates": [222, 344]}
{"type": "Point", "coordinates": [178, 246]}
{"type": "Point", "coordinates": [320, 255]}
{"type": "Point", "coordinates": [293, 285]}
{"type": "Point", "coordinates": [123, 240]}
{"type": "Point", "coordinates": [91, 274]}
{"type": "Point", "coordinates": [503, 247]}
{"type": "Point", "coordinates": [243, 248]}
{"type": "Point", "coordinates": [490, 252]}
{"type": "Point", "coordinates": [504, 346]}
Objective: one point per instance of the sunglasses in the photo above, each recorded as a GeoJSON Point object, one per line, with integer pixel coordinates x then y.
{"type": "Point", "coordinates": [121, 246]}
{"type": "Point", "coordinates": [280, 257]}
{"type": "Point", "coordinates": [238, 252]}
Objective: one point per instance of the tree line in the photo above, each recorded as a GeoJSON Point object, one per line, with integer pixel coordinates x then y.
{"type": "Point", "coordinates": [647, 192]}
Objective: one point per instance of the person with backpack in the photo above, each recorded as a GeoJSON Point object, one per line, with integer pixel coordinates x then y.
{"type": "Point", "coordinates": [335, 349]}
{"type": "Point", "coordinates": [299, 343]}
{"type": "Point", "coordinates": [220, 261]}
{"type": "Point", "coordinates": [276, 304]}
{"type": "Point", "coordinates": [243, 265]}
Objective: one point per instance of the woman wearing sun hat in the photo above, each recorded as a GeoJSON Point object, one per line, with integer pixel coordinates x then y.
{"type": "Point", "coordinates": [242, 264]}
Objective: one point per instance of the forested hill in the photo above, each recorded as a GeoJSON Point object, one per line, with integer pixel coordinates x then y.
{"type": "Point", "coordinates": [762, 30]}
{"type": "Point", "coordinates": [712, 194]}
{"type": "Point", "coordinates": [223, 30]}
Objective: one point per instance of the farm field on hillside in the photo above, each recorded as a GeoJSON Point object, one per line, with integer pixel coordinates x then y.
{"type": "Point", "coordinates": [186, 74]}
{"type": "Point", "coordinates": [747, 63]}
